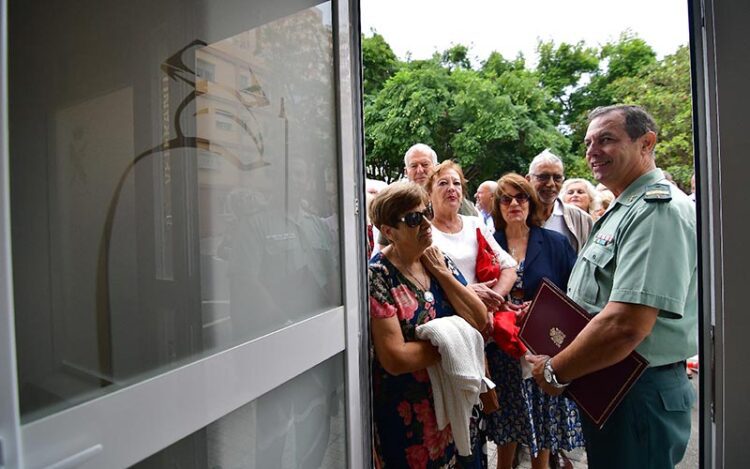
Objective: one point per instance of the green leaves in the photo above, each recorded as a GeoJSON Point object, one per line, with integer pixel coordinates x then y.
{"type": "Point", "coordinates": [380, 63]}
{"type": "Point", "coordinates": [496, 118]}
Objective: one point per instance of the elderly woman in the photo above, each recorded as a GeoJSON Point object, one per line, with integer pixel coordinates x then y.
{"type": "Point", "coordinates": [581, 193]}
{"type": "Point", "coordinates": [527, 415]}
{"type": "Point", "coordinates": [605, 198]}
{"type": "Point", "coordinates": [411, 283]}
{"type": "Point", "coordinates": [456, 235]}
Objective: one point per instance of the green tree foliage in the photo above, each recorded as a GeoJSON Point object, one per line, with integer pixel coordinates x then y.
{"type": "Point", "coordinates": [456, 57]}
{"type": "Point", "coordinates": [496, 65]}
{"type": "Point", "coordinates": [380, 63]}
{"type": "Point", "coordinates": [489, 124]}
{"type": "Point", "coordinates": [495, 118]}
{"type": "Point", "coordinates": [630, 56]}
{"type": "Point", "coordinates": [561, 68]}
{"type": "Point", "coordinates": [502, 123]}
{"type": "Point", "coordinates": [664, 89]}
{"type": "Point", "coordinates": [412, 107]}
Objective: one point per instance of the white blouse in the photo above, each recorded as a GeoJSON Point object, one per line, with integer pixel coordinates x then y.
{"type": "Point", "coordinates": [462, 247]}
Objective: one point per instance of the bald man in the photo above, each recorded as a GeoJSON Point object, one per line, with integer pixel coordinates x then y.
{"type": "Point", "coordinates": [483, 197]}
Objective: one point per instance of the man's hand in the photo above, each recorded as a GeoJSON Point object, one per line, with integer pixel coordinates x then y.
{"type": "Point", "coordinates": [491, 299]}
{"type": "Point", "coordinates": [538, 361]}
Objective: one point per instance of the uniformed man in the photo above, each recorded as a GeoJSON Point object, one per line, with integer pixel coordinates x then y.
{"type": "Point", "coordinates": [637, 276]}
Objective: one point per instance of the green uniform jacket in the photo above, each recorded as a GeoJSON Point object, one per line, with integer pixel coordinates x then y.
{"type": "Point", "coordinates": [643, 250]}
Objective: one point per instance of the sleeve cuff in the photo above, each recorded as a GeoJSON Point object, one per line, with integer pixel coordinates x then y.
{"type": "Point", "coordinates": [675, 308]}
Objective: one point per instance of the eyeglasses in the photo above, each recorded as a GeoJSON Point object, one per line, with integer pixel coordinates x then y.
{"type": "Point", "coordinates": [521, 198]}
{"type": "Point", "coordinates": [413, 219]}
{"type": "Point", "coordinates": [544, 177]}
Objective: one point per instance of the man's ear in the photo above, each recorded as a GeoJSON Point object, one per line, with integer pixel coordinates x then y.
{"type": "Point", "coordinates": [648, 141]}
{"type": "Point", "coordinates": [528, 177]}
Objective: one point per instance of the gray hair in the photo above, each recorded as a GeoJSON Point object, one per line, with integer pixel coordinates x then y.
{"type": "Point", "coordinates": [492, 185]}
{"type": "Point", "coordinates": [421, 148]}
{"type": "Point", "coordinates": [545, 157]}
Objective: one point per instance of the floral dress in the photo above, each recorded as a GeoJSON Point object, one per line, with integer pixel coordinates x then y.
{"type": "Point", "coordinates": [527, 415]}
{"type": "Point", "coordinates": [406, 430]}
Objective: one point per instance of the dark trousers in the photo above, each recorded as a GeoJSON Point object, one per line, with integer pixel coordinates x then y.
{"type": "Point", "coordinates": [650, 428]}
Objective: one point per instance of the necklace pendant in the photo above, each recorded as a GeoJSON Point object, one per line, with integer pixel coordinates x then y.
{"type": "Point", "coordinates": [428, 296]}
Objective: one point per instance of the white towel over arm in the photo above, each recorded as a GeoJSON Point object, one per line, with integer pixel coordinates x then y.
{"type": "Point", "coordinates": [457, 378]}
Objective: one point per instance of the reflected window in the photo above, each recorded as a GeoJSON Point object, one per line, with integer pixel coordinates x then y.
{"type": "Point", "coordinates": [163, 208]}
{"type": "Point", "coordinates": [206, 70]}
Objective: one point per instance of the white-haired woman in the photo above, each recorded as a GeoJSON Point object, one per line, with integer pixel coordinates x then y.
{"type": "Point", "coordinates": [581, 193]}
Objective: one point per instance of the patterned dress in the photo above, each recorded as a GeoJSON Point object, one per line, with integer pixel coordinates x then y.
{"type": "Point", "coordinates": [527, 415]}
{"type": "Point", "coordinates": [406, 430]}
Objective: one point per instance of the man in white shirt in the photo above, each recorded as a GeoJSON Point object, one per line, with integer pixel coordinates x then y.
{"type": "Point", "coordinates": [419, 160]}
{"type": "Point", "coordinates": [546, 174]}
{"type": "Point", "coordinates": [483, 196]}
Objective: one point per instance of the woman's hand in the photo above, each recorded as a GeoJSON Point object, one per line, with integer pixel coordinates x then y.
{"type": "Point", "coordinates": [433, 260]}
{"type": "Point", "coordinates": [465, 302]}
{"type": "Point", "coordinates": [491, 299]}
{"type": "Point", "coordinates": [520, 310]}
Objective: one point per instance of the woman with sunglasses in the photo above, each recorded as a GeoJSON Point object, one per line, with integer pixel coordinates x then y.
{"type": "Point", "coordinates": [411, 283]}
{"type": "Point", "coordinates": [527, 415]}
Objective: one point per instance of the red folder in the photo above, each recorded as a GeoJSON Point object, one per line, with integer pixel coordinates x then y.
{"type": "Point", "coordinates": [553, 321]}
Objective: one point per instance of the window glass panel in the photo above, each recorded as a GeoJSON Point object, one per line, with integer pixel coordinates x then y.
{"type": "Point", "coordinates": [297, 425]}
{"type": "Point", "coordinates": [159, 211]}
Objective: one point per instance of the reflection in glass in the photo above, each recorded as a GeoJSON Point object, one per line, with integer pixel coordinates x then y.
{"type": "Point", "coordinates": [173, 193]}
{"type": "Point", "coordinates": [298, 425]}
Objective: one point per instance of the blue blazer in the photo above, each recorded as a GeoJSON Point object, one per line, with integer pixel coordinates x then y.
{"type": "Point", "coordinates": [548, 254]}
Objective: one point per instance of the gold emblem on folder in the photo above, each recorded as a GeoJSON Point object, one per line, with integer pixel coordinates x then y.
{"type": "Point", "coordinates": [557, 336]}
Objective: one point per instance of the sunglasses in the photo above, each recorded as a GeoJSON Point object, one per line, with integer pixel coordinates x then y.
{"type": "Point", "coordinates": [414, 219]}
{"type": "Point", "coordinates": [508, 199]}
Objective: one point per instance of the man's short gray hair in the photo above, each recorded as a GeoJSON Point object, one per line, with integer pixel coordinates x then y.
{"type": "Point", "coordinates": [637, 120]}
{"type": "Point", "coordinates": [492, 185]}
{"type": "Point", "coordinates": [421, 148]}
{"type": "Point", "coordinates": [545, 157]}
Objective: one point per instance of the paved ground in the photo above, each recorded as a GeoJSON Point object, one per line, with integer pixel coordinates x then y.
{"type": "Point", "coordinates": [578, 457]}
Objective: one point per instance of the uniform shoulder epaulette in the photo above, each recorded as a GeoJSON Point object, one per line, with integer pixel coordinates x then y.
{"type": "Point", "coordinates": [658, 192]}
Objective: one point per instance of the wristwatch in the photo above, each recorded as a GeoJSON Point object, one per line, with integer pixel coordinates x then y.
{"type": "Point", "coordinates": [550, 377]}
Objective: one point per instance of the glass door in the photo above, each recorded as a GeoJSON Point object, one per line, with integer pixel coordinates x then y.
{"type": "Point", "coordinates": [178, 248]}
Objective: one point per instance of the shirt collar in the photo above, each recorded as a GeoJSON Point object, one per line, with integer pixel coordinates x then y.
{"type": "Point", "coordinates": [637, 187]}
{"type": "Point", "coordinates": [558, 210]}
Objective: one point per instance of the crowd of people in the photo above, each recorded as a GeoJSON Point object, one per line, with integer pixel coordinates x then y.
{"type": "Point", "coordinates": [445, 274]}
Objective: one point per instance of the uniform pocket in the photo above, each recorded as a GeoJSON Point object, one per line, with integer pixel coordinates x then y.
{"type": "Point", "coordinates": [595, 257]}
{"type": "Point", "coordinates": [598, 255]}
{"type": "Point", "coordinates": [677, 399]}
